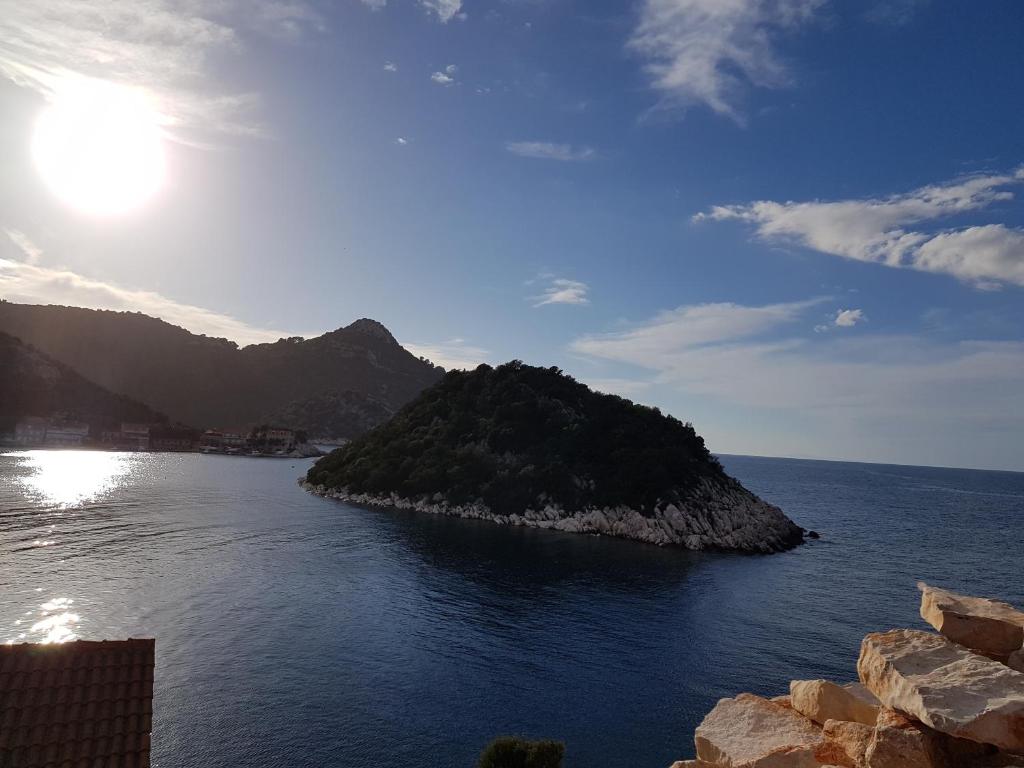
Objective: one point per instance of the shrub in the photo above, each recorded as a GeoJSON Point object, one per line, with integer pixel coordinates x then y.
{"type": "Point", "coordinates": [514, 752]}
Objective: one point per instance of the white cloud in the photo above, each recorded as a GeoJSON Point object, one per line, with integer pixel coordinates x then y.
{"type": "Point", "coordinates": [878, 229]}
{"type": "Point", "coordinates": [401, 141]}
{"type": "Point", "coordinates": [847, 318]}
{"type": "Point", "coordinates": [32, 284]}
{"type": "Point", "coordinates": [450, 354]}
{"type": "Point", "coordinates": [390, 66]}
{"type": "Point", "coordinates": [545, 150]}
{"type": "Point", "coordinates": [562, 291]}
{"type": "Point", "coordinates": [445, 10]}
{"type": "Point", "coordinates": [29, 249]}
{"type": "Point", "coordinates": [892, 396]}
{"type": "Point", "coordinates": [709, 51]}
{"type": "Point", "coordinates": [696, 326]}
{"type": "Point", "coordinates": [446, 77]}
{"type": "Point", "coordinates": [162, 46]}
{"type": "Point", "coordinates": [375, 5]}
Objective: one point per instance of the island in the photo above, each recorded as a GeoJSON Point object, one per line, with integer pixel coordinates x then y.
{"type": "Point", "coordinates": [524, 445]}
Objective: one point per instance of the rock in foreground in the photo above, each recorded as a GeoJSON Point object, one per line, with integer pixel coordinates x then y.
{"type": "Point", "coordinates": [988, 627]}
{"type": "Point", "coordinates": [925, 702]}
{"type": "Point", "coordinates": [822, 700]}
{"type": "Point", "coordinates": [945, 686]}
{"type": "Point", "coordinates": [751, 732]}
{"type": "Point", "coordinates": [520, 445]}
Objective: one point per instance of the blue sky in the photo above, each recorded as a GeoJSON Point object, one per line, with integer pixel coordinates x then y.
{"type": "Point", "coordinates": [796, 223]}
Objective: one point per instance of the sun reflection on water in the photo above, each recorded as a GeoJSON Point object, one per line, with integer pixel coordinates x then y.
{"type": "Point", "coordinates": [56, 623]}
{"type": "Point", "coordinates": [67, 478]}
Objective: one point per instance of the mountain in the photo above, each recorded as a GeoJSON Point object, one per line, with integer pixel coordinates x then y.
{"type": "Point", "coordinates": [206, 381]}
{"type": "Point", "coordinates": [33, 384]}
{"type": "Point", "coordinates": [531, 446]}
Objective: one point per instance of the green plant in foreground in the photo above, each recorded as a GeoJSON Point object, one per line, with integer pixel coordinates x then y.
{"type": "Point", "coordinates": [515, 752]}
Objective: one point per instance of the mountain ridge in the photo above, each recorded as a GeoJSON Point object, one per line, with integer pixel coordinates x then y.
{"type": "Point", "coordinates": [209, 381]}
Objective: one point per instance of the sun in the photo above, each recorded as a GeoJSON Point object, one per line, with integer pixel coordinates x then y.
{"type": "Point", "coordinates": [98, 147]}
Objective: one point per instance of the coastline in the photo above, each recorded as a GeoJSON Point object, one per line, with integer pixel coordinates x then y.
{"type": "Point", "coordinates": [716, 518]}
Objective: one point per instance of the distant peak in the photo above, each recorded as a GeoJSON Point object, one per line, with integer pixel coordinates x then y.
{"type": "Point", "coordinates": [371, 328]}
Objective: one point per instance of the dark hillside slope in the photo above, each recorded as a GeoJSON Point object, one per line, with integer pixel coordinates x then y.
{"type": "Point", "coordinates": [33, 384]}
{"type": "Point", "coordinates": [206, 381]}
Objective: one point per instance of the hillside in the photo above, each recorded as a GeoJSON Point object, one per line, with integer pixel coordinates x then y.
{"type": "Point", "coordinates": [532, 446]}
{"type": "Point", "coordinates": [207, 381]}
{"type": "Point", "coordinates": [33, 384]}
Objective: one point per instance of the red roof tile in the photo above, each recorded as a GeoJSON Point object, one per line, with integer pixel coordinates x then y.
{"type": "Point", "coordinates": [76, 705]}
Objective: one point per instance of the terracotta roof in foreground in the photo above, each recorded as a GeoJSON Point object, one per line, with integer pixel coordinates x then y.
{"type": "Point", "coordinates": [76, 705]}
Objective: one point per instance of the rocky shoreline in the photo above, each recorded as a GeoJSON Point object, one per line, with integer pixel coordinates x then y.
{"type": "Point", "coordinates": [924, 700]}
{"type": "Point", "coordinates": [715, 516]}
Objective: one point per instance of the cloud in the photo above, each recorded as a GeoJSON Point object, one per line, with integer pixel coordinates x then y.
{"type": "Point", "coordinates": [844, 318]}
{"type": "Point", "coordinates": [878, 230]}
{"type": "Point", "coordinates": [401, 141]}
{"type": "Point", "coordinates": [375, 5]}
{"type": "Point", "coordinates": [32, 284]}
{"type": "Point", "coordinates": [895, 13]}
{"type": "Point", "coordinates": [162, 46]}
{"type": "Point", "coordinates": [445, 10]}
{"type": "Point", "coordinates": [30, 250]}
{"type": "Point", "coordinates": [390, 66]}
{"type": "Point", "coordinates": [688, 328]}
{"type": "Point", "coordinates": [562, 291]}
{"type": "Point", "coordinates": [891, 395]}
{"type": "Point", "coordinates": [709, 51]}
{"type": "Point", "coordinates": [450, 354]}
{"type": "Point", "coordinates": [847, 318]}
{"type": "Point", "coordinates": [447, 77]}
{"type": "Point", "coordinates": [545, 150]}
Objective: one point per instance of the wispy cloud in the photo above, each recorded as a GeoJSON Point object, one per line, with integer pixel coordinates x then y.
{"type": "Point", "coordinates": [450, 354]}
{"type": "Point", "coordinates": [163, 46]}
{"type": "Point", "coordinates": [445, 10]}
{"type": "Point", "coordinates": [546, 150]}
{"type": "Point", "coordinates": [446, 77]}
{"type": "Point", "coordinates": [878, 230]}
{"type": "Point", "coordinates": [29, 249]}
{"type": "Point", "coordinates": [33, 284]}
{"type": "Point", "coordinates": [871, 390]}
{"type": "Point", "coordinates": [709, 51]}
{"type": "Point", "coordinates": [559, 290]}
{"type": "Point", "coordinates": [390, 66]}
{"type": "Point", "coordinates": [375, 5]}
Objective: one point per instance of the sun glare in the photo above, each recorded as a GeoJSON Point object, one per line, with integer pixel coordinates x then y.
{"type": "Point", "coordinates": [98, 147]}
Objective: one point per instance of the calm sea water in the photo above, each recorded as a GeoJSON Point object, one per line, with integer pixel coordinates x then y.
{"type": "Point", "coordinates": [296, 631]}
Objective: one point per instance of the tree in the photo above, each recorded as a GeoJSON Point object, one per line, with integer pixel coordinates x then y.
{"type": "Point", "coordinates": [516, 752]}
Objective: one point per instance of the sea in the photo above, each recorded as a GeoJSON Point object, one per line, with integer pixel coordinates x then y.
{"type": "Point", "coordinates": [293, 630]}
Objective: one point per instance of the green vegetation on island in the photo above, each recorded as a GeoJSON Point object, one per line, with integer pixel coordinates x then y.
{"type": "Point", "coordinates": [532, 446]}
{"type": "Point", "coordinates": [517, 436]}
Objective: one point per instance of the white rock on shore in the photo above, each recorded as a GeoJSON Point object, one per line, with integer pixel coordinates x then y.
{"type": "Point", "coordinates": [751, 732]}
{"type": "Point", "coordinates": [938, 705]}
{"type": "Point", "coordinates": [715, 516]}
{"type": "Point", "coordinates": [822, 700]}
{"type": "Point", "coordinates": [988, 627]}
{"type": "Point", "coordinates": [945, 686]}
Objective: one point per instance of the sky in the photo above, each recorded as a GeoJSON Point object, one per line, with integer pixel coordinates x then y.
{"type": "Point", "coordinates": [795, 223]}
